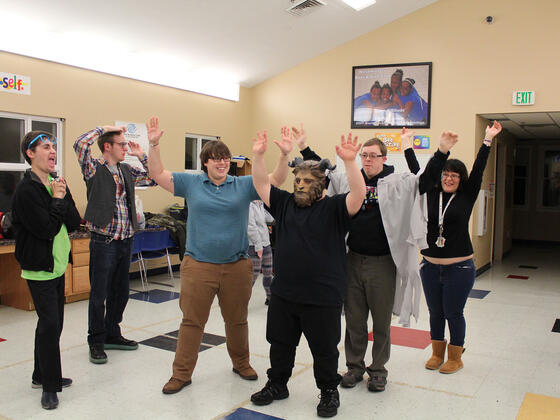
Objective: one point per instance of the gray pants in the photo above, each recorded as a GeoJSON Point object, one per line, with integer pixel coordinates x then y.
{"type": "Point", "coordinates": [371, 288]}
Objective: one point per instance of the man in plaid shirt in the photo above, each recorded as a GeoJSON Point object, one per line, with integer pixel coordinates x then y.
{"type": "Point", "coordinates": [111, 219]}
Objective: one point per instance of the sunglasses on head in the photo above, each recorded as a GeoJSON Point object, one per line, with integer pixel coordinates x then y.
{"type": "Point", "coordinates": [44, 139]}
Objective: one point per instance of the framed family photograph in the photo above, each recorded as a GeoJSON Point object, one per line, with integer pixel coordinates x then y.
{"type": "Point", "coordinates": [391, 95]}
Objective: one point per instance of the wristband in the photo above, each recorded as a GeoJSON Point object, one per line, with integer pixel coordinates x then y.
{"type": "Point", "coordinates": [154, 144]}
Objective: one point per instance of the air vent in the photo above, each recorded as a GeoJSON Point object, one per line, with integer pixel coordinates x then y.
{"type": "Point", "coordinates": [303, 7]}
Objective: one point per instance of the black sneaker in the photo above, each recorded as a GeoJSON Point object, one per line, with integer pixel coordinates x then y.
{"type": "Point", "coordinates": [120, 343]}
{"type": "Point", "coordinates": [269, 393]}
{"type": "Point", "coordinates": [376, 383]}
{"type": "Point", "coordinates": [96, 354]}
{"type": "Point", "coordinates": [65, 383]}
{"type": "Point", "coordinates": [330, 401]}
{"type": "Point", "coordinates": [49, 400]}
{"type": "Point", "coordinates": [350, 379]}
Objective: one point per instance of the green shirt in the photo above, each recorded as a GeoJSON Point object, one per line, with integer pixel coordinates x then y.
{"type": "Point", "coordinates": [60, 250]}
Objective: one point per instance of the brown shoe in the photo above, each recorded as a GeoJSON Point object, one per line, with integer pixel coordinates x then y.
{"type": "Point", "coordinates": [438, 354]}
{"type": "Point", "coordinates": [174, 385]}
{"type": "Point", "coordinates": [454, 362]}
{"type": "Point", "coordinates": [247, 373]}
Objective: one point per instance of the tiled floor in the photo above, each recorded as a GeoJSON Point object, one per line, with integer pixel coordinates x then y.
{"type": "Point", "coordinates": [512, 362]}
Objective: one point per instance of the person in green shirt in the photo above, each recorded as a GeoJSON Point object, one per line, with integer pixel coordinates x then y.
{"type": "Point", "coordinates": [43, 213]}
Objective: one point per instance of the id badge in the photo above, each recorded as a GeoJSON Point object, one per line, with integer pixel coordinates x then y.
{"type": "Point", "coordinates": [440, 242]}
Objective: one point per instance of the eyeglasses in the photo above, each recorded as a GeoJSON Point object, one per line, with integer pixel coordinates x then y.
{"type": "Point", "coordinates": [452, 176]}
{"type": "Point", "coordinates": [120, 143]}
{"type": "Point", "coordinates": [369, 155]}
{"type": "Point", "coordinates": [225, 159]}
{"type": "Point", "coordinates": [44, 139]}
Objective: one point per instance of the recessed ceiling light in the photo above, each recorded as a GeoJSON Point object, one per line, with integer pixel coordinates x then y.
{"type": "Point", "coordinates": [359, 4]}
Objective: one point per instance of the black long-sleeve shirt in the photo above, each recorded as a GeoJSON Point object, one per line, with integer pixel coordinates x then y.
{"type": "Point", "coordinates": [456, 220]}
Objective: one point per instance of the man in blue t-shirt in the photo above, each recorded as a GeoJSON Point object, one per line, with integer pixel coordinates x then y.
{"type": "Point", "coordinates": [216, 260]}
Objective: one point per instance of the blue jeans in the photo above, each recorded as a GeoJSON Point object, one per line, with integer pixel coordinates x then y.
{"type": "Point", "coordinates": [109, 262]}
{"type": "Point", "coordinates": [447, 288]}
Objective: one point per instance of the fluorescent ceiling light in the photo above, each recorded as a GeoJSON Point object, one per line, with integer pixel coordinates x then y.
{"type": "Point", "coordinates": [94, 52]}
{"type": "Point", "coordinates": [359, 4]}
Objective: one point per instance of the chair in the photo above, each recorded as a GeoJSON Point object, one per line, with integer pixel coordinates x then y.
{"type": "Point", "coordinates": [150, 244]}
{"type": "Point", "coordinates": [137, 257]}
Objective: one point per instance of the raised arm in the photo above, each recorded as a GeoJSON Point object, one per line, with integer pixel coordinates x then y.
{"type": "Point", "coordinates": [261, 180]}
{"type": "Point", "coordinates": [432, 174]}
{"type": "Point", "coordinates": [155, 167]}
{"type": "Point", "coordinates": [347, 152]}
{"type": "Point", "coordinates": [280, 173]}
{"type": "Point", "coordinates": [141, 176]}
{"type": "Point", "coordinates": [475, 177]}
{"type": "Point", "coordinates": [301, 140]}
{"type": "Point", "coordinates": [406, 141]}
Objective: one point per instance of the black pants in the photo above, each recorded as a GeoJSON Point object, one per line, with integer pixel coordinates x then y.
{"type": "Point", "coordinates": [321, 326]}
{"type": "Point", "coordinates": [48, 298]}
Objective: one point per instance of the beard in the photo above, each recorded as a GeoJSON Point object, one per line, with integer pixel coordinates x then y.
{"type": "Point", "coordinates": [307, 198]}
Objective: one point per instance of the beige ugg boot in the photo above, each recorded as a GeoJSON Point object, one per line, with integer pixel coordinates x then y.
{"type": "Point", "coordinates": [454, 362]}
{"type": "Point", "coordinates": [438, 353]}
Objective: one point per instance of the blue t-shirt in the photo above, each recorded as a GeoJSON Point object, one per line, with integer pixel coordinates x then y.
{"type": "Point", "coordinates": [419, 111]}
{"type": "Point", "coordinates": [359, 101]}
{"type": "Point", "coordinates": [218, 216]}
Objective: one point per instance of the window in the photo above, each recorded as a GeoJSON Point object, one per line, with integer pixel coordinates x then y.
{"type": "Point", "coordinates": [550, 183]}
{"type": "Point", "coordinates": [521, 177]}
{"type": "Point", "coordinates": [193, 146]}
{"type": "Point", "coordinates": [12, 164]}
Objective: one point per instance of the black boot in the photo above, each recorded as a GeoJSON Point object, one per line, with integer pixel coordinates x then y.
{"type": "Point", "coordinates": [269, 393]}
{"type": "Point", "coordinates": [330, 401]}
{"type": "Point", "coordinates": [49, 400]}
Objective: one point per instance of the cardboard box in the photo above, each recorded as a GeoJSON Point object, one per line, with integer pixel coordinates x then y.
{"type": "Point", "coordinates": [244, 166]}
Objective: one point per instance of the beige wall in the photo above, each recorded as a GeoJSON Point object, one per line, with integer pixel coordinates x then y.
{"type": "Point", "coordinates": [476, 67]}
{"type": "Point", "coordinates": [86, 99]}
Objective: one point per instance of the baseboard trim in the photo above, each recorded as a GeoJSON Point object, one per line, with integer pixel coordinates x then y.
{"type": "Point", "coordinates": [483, 269]}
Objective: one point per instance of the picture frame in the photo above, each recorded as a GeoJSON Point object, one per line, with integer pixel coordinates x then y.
{"type": "Point", "coordinates": [391, 95]}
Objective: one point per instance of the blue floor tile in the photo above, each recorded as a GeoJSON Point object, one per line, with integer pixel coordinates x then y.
{"type": "Point", "coordinates": [207, 338]}
{"type": "Point", "coordinates": [478, 294]}
{"type": "Point", "coordinates": [556, 327]}
{"type": "Point", "coordinates": [532, 267]}
{"type": "Point", "coordinates": [244, 414]}
{"type": "Point", "coordinates": [167, 343]}
{"type": "Point", "coordinates": [155, 296]}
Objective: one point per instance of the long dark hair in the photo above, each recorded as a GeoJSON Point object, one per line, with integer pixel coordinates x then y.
{"type": "Point", "coordinates": [455, 165]}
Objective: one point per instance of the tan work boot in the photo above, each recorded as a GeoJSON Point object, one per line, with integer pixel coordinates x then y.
{"type": "Point", "coordinates": [174, 385]}
{"type": "Point", "coordinates": [438, 354]}
{"type": "Point", "coordinates": [454, 362]}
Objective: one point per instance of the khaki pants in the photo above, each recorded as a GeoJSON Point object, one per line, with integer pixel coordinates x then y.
{"type": "Point", "coordinates": [200, 283]}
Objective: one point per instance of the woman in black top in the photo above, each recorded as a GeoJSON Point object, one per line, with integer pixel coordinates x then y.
{"type": "Point", "coordinates": [448, 270]}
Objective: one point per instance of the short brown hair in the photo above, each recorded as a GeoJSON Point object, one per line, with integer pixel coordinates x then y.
{"type": "Point", "coordinates": [376, 142]}
{"type": "Point", "coordinates": [215, 149]}
{"type": "Point", "coordinates": [106, 138]}
{"type": "Point", "coordinates": [28, 138]}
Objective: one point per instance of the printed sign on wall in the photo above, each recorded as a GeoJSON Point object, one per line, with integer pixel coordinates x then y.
{"type": "Point", "coordinates": [137, 133]}
{"type": "Point", "coordinates": [421, 142]}
{"type": "Point", "coordinates": [15, 83]}
{"type": "Point", "coordinates": [391, 140]}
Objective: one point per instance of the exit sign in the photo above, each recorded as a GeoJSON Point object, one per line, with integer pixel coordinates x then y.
{"type": "Point", "coordinates": [523, 97]}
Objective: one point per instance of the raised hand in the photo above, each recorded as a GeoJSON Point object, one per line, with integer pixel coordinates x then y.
{"type": "Point", "coordinates": [348, 148]}
{"type": "Point", "coordinates": [260, 143]}
{"type": "Point", "coordinates": [287, 142]}
{"type": "Point", "coordinates": [154, 133]}
{"type": "Point", "coordinates": [406, 138]}
{"type": "Point", "coordinates": [111, 128]}
{"type": "Point", "coordinates": [135, 149]}
{"type": "Point", "coordinates": [300, 137]}
{"type": "Point", "coordinates": [447, 141]}
{"type": "Point", "coordinates": [493, 130]}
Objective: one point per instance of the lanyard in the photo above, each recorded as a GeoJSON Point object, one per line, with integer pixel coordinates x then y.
{"type": "Point", "coordinates": [442, 213]}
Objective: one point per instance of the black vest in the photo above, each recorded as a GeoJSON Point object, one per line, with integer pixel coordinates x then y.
{"type": "Point", "coordinates": [101, 195]}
